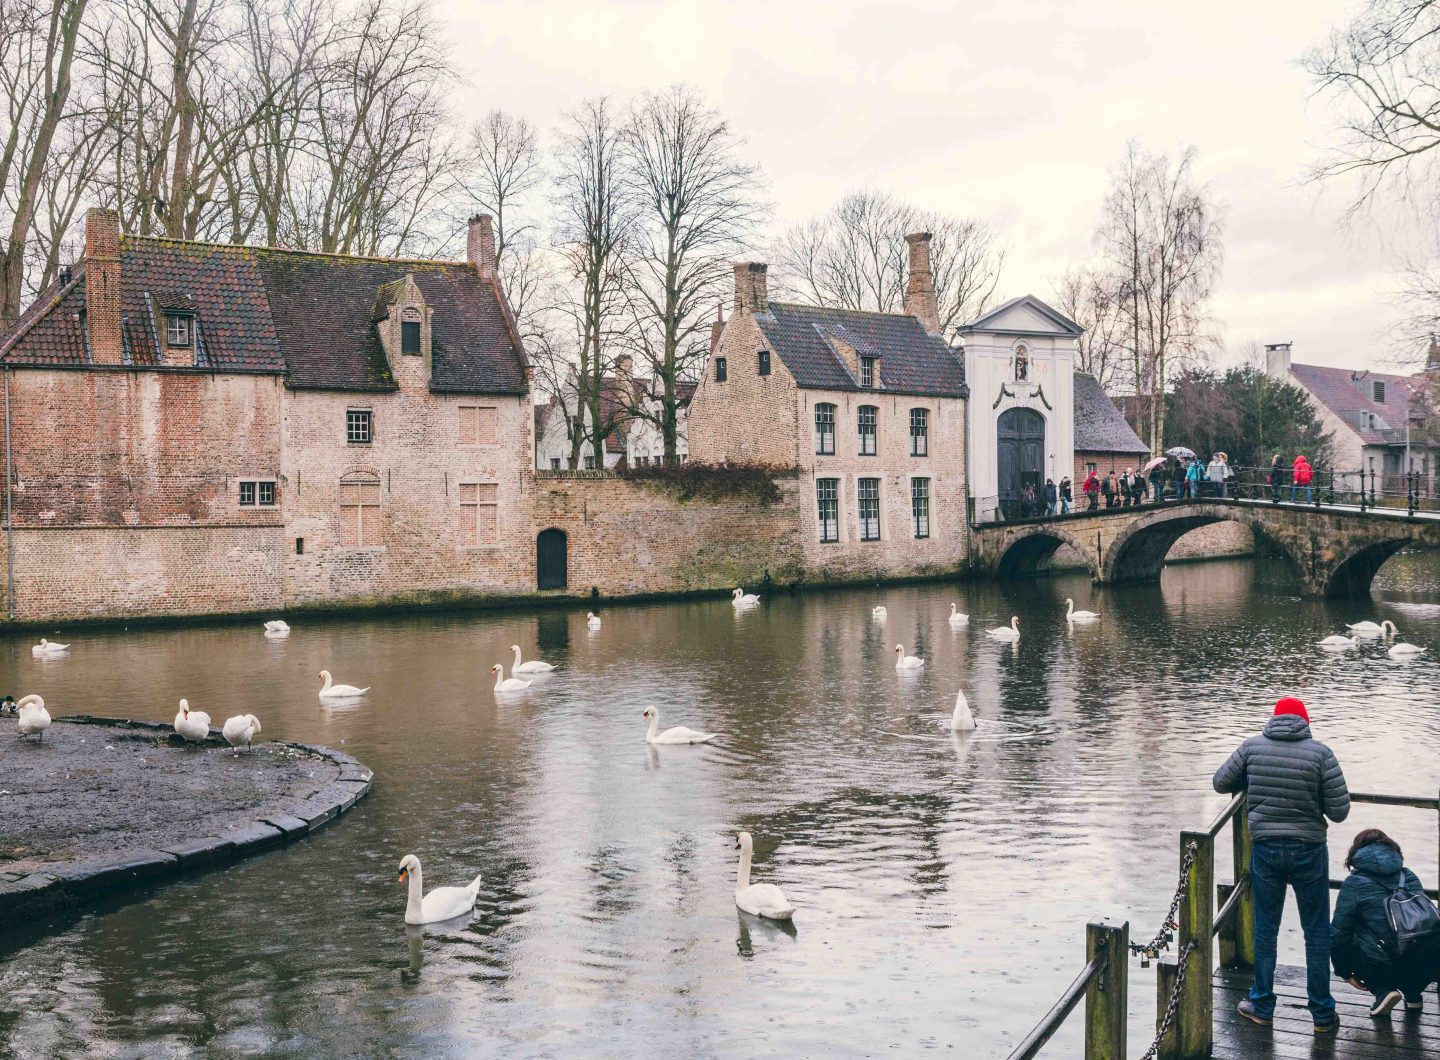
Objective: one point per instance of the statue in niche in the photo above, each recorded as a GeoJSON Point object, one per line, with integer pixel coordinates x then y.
{"type": "Point", "coordinates": [1022, 364]}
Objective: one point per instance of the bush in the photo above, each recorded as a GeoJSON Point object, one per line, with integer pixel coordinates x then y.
{"type": "Point", "coordinates": [713, 482]}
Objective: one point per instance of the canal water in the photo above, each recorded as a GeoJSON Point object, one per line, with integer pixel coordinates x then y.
{"type": "Point", "coordinates": [942, 884]}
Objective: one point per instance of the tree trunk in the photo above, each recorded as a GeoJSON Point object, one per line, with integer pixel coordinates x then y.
{"type": "Point", "coordinates": [180, 190]}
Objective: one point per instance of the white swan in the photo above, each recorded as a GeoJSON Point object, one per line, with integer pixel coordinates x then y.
{"type": "Point", "coordinates": [879, 614]}
{"type": "Point", "coordinates": [48, 647]}
{"type": "Point", "coordinates": [1405, 651]}
{"type": "Point", "coordinates": [534, 666]}
{"type": "Point", "coordinates": [277, 627]}
{"type": "Point", "coordinates": [1071, 615]}
{"type": "Point", "coordinates": [740, 598]}
{"type": "Point", "coordinates": [958, 618]}
{"type": "Point", "coordinates": [507, 684]}
{"type": "Point", "coordinates": [194, 725]}
{"type": "Point", "coordinates": [1010, 632]}
{"type": "Point", "coordinates": [443, 903]}
{"type": "Point", "coordinates": [333, 691]}
{"type": "Point", "coordinates": [592, 620]}
{"type": "Point", "coordinates": [679, 734]}
{"type": "Point", "coordinates": [758, 899]}
{"type": "Point", "coordinates": [962, 720]}
{"type": "Point", "coordinates": [1338, 643]}
{"type": "Point", "coordinates": [906, 662]}
{"type": "Point", "coordinates": [34, 718]}
{"type": "Point", "coordinates": [1370, 629]}
{"type": "Point", "coordinates": [240, 730]}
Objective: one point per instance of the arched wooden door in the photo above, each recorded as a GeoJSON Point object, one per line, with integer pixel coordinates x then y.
{"type": "Point", "coordinates": [551, 560]}
{"type": "Point", "coordinates": [1020, 447]}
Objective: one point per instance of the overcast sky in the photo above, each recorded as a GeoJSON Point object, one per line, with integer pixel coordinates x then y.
{"type": "Point", "coordinates": [1013, 110]}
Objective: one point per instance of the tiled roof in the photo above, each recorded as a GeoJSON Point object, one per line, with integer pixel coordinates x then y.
{"type": "Point", "coordinates": [1099, 425]}
{"type": "Point", "coordinates": [308, 316]}
{"type": "Point", "coordinates": [1344, 395]}
{"type": "Point", "coordinates": [911, 361]}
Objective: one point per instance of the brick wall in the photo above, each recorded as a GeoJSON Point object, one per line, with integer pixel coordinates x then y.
{"type": "Point", "coordinates": [749, 418]}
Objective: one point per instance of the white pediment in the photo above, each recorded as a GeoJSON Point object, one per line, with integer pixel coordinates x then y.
{"type": "Point", "coordinates": [1026, 315]}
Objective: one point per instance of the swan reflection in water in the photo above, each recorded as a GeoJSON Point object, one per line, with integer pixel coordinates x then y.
{"type": "Point", "coordinates": [414, 950]}
{"type": "Point", "coordinates": [766, 930]}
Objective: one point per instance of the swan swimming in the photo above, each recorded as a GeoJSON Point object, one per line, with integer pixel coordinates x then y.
{"type": "Point", "coordinates": [958, 618]}
{"type": "Point", "coordinates": [879, 614]}
{"type": "Point", "coordinates": [906, 662]}
{"type": "Point", "coordinates": [592, 620]}
{"type": "Point", "coordinates": [740, 598]}
{"type": "Point", "coordinates": [679, 734]}
{"type": "Point", "coordinates": [48, 647]}
{"type": "Point", "coordinates": [277, 627]}
{"type": "Point", "coordinates": [1010, 632]}
{"type": "Point", "coordinates": [1071, 615]}
{"type": "Point", "coordinates": [507, 684]}
{"type": "Point", "coordinates": [1405, 651]}
{"type": "Point", "coordinates": [758, 899]}
{"type": "Point", "coordinates": [1338, 643]}
{"type": "Point", "coordinates": [34, 718]}
{"type": "Point", "coordinates": [194, 725]}
{"type": "Point", "coordinates": [534, 666]}
{"type": "Point", "coordinates": [240, 730]}
{"type": "Point", "coordinates": [1370, 629]}
{"type": "Point", "coordinates": [962, 720]}
{"type": "Point", "coordinates": [443, 903]}
{"type": "Point", "coordinates": [334, 691]}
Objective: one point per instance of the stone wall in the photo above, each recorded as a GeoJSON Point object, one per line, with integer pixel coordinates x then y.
{"type": "Point", "coordinates": [1216, 541]}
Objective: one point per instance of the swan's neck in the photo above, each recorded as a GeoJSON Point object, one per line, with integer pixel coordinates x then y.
{"type": "Point", "coordinates": [499, 676]}
{"type": "Point", "coordinates": [412, 903]}
{"type": "Point", "coordinates": [654, 726]}
{"type": "Point", "coordinates": [516, 650]}
{"type": "Point", "coordinates": [1069, 607]}
{"type": "Point", "coordinates": [1015, 623]}
{"type": "Point", "coordinates": [326, 686]}
{"type": "Point", "coordinates": [742, 878]}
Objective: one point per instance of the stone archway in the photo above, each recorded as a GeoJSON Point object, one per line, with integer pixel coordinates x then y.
{"type": "Point", "coordinates": [1137, 554]}
{"type": "Point", "coordinates": [1353, 574]}
{"type": "Point", "coordinates": [1026, 553]}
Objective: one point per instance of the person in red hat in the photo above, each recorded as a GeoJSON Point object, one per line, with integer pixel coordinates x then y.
{"type": "Point", "coordinates": [1292, 783]}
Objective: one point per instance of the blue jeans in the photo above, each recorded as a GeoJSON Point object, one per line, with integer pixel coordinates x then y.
{"type": "Point", "coordinates": [1274, 863]}
{"type": "Point", "coordinates": [1309, 493]}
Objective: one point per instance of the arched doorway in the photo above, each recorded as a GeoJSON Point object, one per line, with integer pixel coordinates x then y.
{"type": "Point", "coordinates": [1020, 450]}
{"type": "Point", "coordinates": [551, 560]}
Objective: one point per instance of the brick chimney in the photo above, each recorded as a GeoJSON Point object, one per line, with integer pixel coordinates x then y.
{"type": "Point", "coordinates": [624, 366]}
{"type": "Point", "coordinates": [752, 294]}
{"type": "Point", "coordinates": [1432, 358]}
{"type": "Point", "coordinates": [102, 286]}
{"type": "Point", "coordinates": [1277, 360]}
{"type": "Point", "coordinates": [920, 286]}
{"type": "Point", "coordinates": [480, 245]}
{"type": "Point", "coordinates": [717, 328]}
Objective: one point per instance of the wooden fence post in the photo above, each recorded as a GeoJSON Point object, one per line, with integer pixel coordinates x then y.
{"type": "Point", "coordinates": [1225, 939]}
{"type": "Point", "coordinates": [1107, 997]}
{"type": "Point", "coordinates": [1166, 971]}
{"type": "Point", "coordinates": [1243, 919]}
{"type": "Point", "coordinates": [1197, 917]}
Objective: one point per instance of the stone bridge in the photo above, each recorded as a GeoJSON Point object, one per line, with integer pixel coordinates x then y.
{"type": "Point", "coordinates": [1334, 550]}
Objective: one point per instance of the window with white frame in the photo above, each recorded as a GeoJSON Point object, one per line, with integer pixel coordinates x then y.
{"type": "Point", "coordinates": [867, 371]}
{"type": "Point", "coordinates": [359, 426]}
{"type": "Point", "coordinates": [869, 498]}
{"type": "Point", "coordinates": [479, 514]}
{"type": "Point", "coordinates": [825, 429]}
{"type": "Point", "coordinates": [827, 496]}
{"type": "Point", "coordinates": [866, 423]}
{"type": "Point", "coordinates": [258, 493]}
{"type": "Point", "coordinates": [178, 330]}
{"type": "Point", "coordinates": [920, 506]}
{"type": "Point", "coordinates": [919, 432]}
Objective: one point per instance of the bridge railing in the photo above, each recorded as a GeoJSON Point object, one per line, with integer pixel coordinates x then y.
{"type": "Point", "coordinates": [1363, 488]}
{"type": "Point", "coordinates": [1202, 913]}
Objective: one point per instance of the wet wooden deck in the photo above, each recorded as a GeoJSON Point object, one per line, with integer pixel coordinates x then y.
{"type": "Point", "coordinates": [1399, 1035]}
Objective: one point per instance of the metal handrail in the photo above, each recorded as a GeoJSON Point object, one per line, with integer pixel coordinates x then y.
{"type": "Point", "coordinates": [1046, 1028]}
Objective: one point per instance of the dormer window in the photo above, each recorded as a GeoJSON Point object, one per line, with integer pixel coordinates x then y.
{"type": "Point", "coordinates": [179, 330]}
{"type": "Point", "coordinates": [1377, 391]}
{"type": "Point", "coordinates": [867, 371]}
{"type": "Point", "coordinates": [410, 337]}
{"type": "Point", "coordinates": [1022, 364]}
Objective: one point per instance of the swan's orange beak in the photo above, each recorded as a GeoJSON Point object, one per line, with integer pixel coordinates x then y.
{"type": "Point", "coordinates": [404, 875]}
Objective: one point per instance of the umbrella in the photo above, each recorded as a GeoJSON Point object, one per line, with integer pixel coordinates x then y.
{"type": "Point", "coordinates": [1181, 451]}
{"type": "Point", "coordinates": [1152, 465]}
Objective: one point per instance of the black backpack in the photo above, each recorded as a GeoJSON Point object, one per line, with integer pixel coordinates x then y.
{"type": "Point", "coordinates": [1414, 925]}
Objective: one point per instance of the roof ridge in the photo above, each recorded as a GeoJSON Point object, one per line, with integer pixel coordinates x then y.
{"type": "Point", "coordinates": [292, 250]}
{"type": "Point", "coordinates": [843, 309]}
{"type": "Point", "coordinates": [28, 326]}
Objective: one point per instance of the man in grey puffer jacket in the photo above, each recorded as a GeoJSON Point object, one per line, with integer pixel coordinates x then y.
{"type": "Point", "coordinates": [1292, 783]}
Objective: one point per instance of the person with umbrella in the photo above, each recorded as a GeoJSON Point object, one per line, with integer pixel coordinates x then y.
{"type": "Point", "coordinates": [1183, 480]}
{"type": "Point", "coordinates": [1156, 470]}
{"type": "Point", "coordinates": [1194, 475]}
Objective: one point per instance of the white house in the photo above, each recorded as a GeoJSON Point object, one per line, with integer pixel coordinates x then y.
{"type": "Point", "coordinates": [1020, 365]}
{"type": "Point", "coordinates": [630, 439]}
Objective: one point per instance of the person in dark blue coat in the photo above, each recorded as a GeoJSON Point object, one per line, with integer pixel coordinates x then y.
{"type": "Point", "coordinates": [1360, 931]}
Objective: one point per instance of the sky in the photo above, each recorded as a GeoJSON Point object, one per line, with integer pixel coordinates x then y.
{"type": "Point", "coordinates": [1010, 110]}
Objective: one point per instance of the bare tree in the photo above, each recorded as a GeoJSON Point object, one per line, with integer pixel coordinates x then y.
{"type": "Point", "coordinates": [503, 170]}
{"type": "Point", "coordinates": [1090, 298]}
{"type": "Point", "coordinates": [697, 206]}
{"type": "Point", "coordinates": [38, 44]}
{"type": "Point", "coordinates": [855, 257]}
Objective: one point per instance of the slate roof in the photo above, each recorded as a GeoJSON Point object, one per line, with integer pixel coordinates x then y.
{"type": "Point", "coordinates": [1100, 427]}
{"type": "Point", "coordinates": [911, 361]}
{"type": "Point", "coordinates": [310, 317]}
{"type": "Point", "coordinates": [1336, 390]}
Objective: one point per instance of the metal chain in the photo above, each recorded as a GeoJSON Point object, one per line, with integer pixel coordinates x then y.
{"type": "Point", "coordinates": [1172, 1007]}
{"type": "Point", "coordinates": [1148, 951]}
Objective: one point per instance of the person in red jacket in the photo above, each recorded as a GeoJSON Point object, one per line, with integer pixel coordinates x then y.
{"type": "Point", "coordinates": [1301, 478]}
{"type": "Point", "coordinates": [1091, 489]}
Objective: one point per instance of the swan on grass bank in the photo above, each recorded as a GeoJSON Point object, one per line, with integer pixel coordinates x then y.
{"type": "Point", "coordinates": [240, 730]}
{"type": "Point", "coordinates": [1338, 643]}
{"type": "Point", "coordinates": [34, 719]}
{"type": "Point", "coordinates": [443, 903]}
{"type": "Point", "coordinates": [592, 620]}
{"type": "Point", "coordinates": [508, 684]}
{"type": "Point", "coordinates": [1405, 651]}
{"type": "Point", "coordinates": [48, 647]}
{"type": "Point", "coordinates": [194, 725]}
{"type": "Point", "coordinates": [534, 666]}
{"type": "Point", "coordinates": [906, 662]}
{"type": "Point", "coordinates": [1370, 629]}
{"type": "Point", "coordinates": [329, 690]}
{"type": "Point", "coordinates": [1010, 632]}
{"type": "Point", "coordinates": [962, 720]}
{"type": "Point", "coordinates": [758, 899]}
{"type": "Point", "coordinates": [679, 734]}
{"type": "Point", "coordinates": [1071, 615]}
{"type": "Point", "coordinates": [277, 627]}
{"type": "Point", "coordinates": [740, 598]}
{"type": "Point", "coordinates": [958, 618]}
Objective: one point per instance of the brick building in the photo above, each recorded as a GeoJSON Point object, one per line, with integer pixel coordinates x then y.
{"type": "Point", "coordinates": [1104, 439]}
{"type": "Point", "coordinates": [629, 414]}
{"type": "Point", "coordinates": [870, 407]}
{"type": "Point", "coordinates": [206, 428]}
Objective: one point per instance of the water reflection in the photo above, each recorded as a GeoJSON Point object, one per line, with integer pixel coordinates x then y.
{"type": "Point", "coordinates": [942, 880]}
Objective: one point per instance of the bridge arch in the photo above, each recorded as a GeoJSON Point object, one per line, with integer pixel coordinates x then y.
{"type": "Point", "coordinates": [1354, 573]}
{"type": "Point", "coordinates": [1026, 553]}
{"type": "Point", "coordinates": [1138, 552]}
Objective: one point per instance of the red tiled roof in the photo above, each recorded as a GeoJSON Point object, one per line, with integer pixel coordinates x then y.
{"type": "Point", "coordinates": [1347, 393]}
